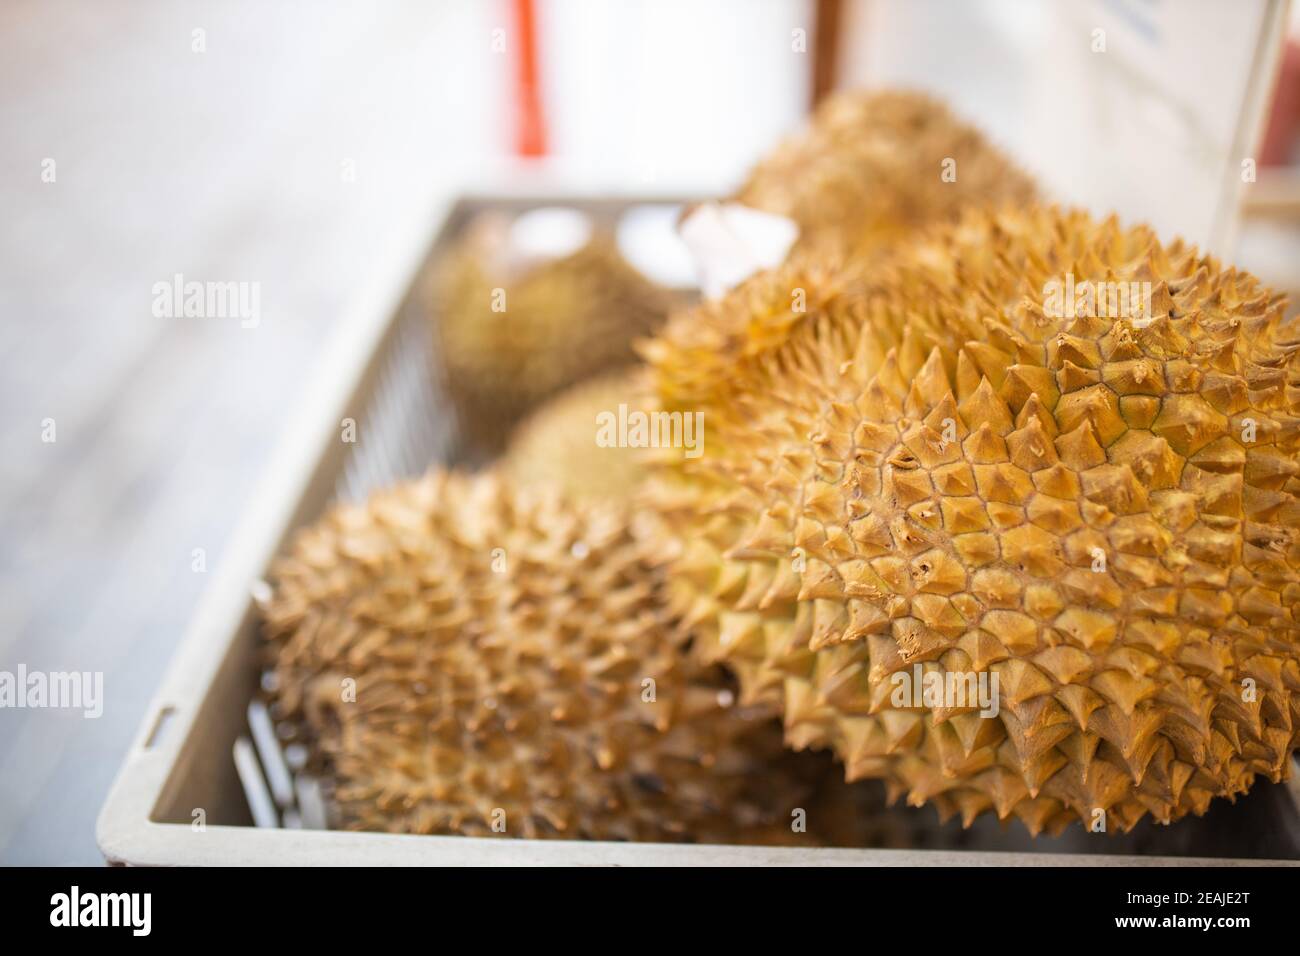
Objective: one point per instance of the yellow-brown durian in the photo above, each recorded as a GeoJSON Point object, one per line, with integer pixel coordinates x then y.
{"type": "Point", "coordinates": [464, 657]}
{"type": "Point", "coordinates": [512, 334]}
{"type": "Point", "coordinates": [874, 166]}
{"type": "Point", "coordinates": [1098, 507]}
{"type": "Point", "coordinates": [558, 446]}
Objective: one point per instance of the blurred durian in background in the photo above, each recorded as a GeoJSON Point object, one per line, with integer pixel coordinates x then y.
{"type": "Point", "coordinates": [873, 167]}
{"type": "Point", "coordinates": [557, 445]}
{"type": "Point", "coordinates": [525, 306]}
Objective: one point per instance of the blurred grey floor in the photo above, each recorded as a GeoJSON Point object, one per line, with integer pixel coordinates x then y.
{"type": "Point", "coordinates": [221, 165]}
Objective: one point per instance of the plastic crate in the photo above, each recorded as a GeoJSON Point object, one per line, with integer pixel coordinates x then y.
{"type": "Point", "coordinates": [179, 799]}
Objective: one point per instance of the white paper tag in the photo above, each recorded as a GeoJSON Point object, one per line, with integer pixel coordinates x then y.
{"type": "Point", "coordinates": [731, 242]}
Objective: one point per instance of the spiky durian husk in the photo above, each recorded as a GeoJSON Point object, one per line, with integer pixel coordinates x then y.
{"type": "Point", "coordinates": [1121, 687]}
{"type": "Point", "coordinates": [565, 320]}
{"type": "Point", "coordinates": [557, 445]}
{"type": "Point", "coordinates": [731, 359]}
{"type": "Point", "coordinates": [867, 171]}
{"type": "Point", "coordinates": [516, 695]}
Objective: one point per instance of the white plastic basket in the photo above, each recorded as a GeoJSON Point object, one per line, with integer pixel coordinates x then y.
{"type": "Point", "coordinates": [189, 793]}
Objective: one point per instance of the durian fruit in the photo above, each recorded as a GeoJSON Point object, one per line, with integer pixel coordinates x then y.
{"type": "Point", "coordinates": [558, 445]}
{"type": "Point", "coordinates": [1098, 508]}
{"type": "Point", "coordinates": [466, 657]}
{"type": "Point", "coordinates": [513, 331]}
{"type": "Point", "coordinates": [874, 166]}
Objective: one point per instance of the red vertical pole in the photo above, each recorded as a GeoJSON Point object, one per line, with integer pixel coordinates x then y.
{"type": "Point", "coordinates": [530, 124]}
{"type": "Point", "coordinates": [826, 49]}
